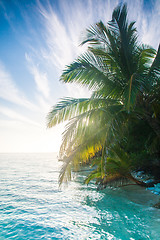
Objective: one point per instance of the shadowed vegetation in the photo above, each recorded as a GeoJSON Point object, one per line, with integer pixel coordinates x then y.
{"type": "Point", "coordinates": [117, 130]}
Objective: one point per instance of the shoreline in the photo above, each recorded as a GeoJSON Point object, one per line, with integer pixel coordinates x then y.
{"type": "Point", "coordinates": [143, 196]}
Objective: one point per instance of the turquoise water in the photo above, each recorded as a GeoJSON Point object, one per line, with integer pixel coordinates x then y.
{"type": "Point", "coordinates": [33, 207]}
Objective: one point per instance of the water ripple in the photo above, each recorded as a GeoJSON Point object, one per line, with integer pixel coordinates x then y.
{"type": "Point", "coordinates": [33, 207]}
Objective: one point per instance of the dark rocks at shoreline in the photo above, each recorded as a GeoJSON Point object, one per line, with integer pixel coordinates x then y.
{"type": "Point", "coordinates": [157, 205]}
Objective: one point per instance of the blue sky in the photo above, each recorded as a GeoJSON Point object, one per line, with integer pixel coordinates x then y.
{"type": "Point", "coordinates": [37, 39]}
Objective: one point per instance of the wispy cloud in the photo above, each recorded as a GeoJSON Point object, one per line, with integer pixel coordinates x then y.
{"type": "Point", "coordinates": [63, 30]}
{"type": "Point", "coordinates": [147, 20]}
{"type": "Point", "coordinates": [12, 114]}
{"type": "Point", "coordinates": [61, 48]}
{"type": "Point", "coordinates": [40, 77]}
{"type": "Point", "coordinates": [10, 92]}
{"type": "Point", "coordinates": [151, 25]}
{"type": "Point", "coordinates": [50, 32]}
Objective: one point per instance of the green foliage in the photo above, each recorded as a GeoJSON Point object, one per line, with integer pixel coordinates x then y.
{"type": "Point", "coordinates": [116, 130]}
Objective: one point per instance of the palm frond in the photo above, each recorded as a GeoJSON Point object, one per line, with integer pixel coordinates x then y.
{"type": "Point", "coordinates": [68, 108]}
{"type": "Point", "coordinates": [124, 77]}
{"type": "Point", "coordinates": [88, 70]}
{"type": "Point", "coordinates": [126, 36]}
{"type": "Point", "coordinates": [93, 175]}
{"type": "Point", "coordinates": [145, 59]}
{"type": "Point", "coordinates": [155, 67]}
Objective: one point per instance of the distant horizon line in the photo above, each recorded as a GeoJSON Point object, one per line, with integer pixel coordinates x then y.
{"type": "Point", "coordinates": [26, 152]}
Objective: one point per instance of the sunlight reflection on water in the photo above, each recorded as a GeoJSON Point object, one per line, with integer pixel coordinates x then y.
{"type": "Point", "coordinates": [33, 207]}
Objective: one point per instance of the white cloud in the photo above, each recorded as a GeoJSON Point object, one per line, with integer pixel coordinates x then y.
{"type": "Point", "coordinates": [60, 45]}
{"type": "Point", "coordinates": [40, 77]}
{"type": "Point", "coordinates": [10, 92]}
{"type": "Point", "coordinates": [62, 33]}
{"type": "Point", "coordinates": [57, 45]}
{"type": "Point", "coordinates": [17, 116]}
{"type": "Point", "coordinates": [44, 104]}
{"type": "Point", "coordinates": [147, 20]}
{"type": "Point", "coordinates": [62, 30]}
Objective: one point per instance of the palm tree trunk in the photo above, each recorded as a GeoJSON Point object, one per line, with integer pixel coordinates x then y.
{"type": "Point", "coordinates": [143, 184]}
{"type": "Point", "coordinates": [140, 183]}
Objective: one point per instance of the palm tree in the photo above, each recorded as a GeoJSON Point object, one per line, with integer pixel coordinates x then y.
{"type": "Point", "coordinates": [124, 77]}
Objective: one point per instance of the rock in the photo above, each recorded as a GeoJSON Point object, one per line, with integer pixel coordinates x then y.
{"type": "Point", "coordinates": [157, 205]}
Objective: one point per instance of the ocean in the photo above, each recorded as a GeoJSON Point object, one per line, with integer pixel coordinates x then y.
{"type": "Point", "coordinates": [33, 207]}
